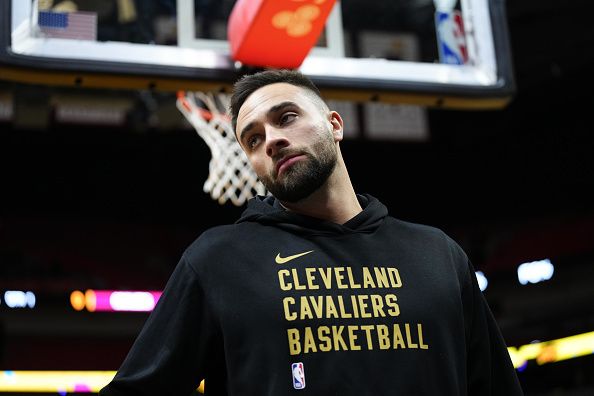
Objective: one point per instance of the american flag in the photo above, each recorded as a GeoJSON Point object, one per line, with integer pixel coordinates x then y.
{"type": "Point", "coordinates": [71, 25]}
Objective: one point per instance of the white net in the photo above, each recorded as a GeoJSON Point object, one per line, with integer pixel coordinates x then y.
{"type": "Point", "coordinates": [230, 175]}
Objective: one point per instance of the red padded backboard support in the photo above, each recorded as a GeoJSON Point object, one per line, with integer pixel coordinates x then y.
{"type": "Point", "coordinates": [276, 33]}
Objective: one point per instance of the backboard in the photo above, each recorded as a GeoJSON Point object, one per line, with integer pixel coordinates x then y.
{"type": "Point", "coordinates": [376, 50]}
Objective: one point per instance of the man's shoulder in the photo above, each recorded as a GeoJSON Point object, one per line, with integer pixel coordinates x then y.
{"type": "Point", "coordinates": [430, 239]}
{"type": "Point", "coordinates": [427, 234]}
{"type": "Point", "coordinates": [418, 229]}
{"type": "Point", "coordinates": [219, 241]}
{"type": "Point", "coordinates": [215, 237]}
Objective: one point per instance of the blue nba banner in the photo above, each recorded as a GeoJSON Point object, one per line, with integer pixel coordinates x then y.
{"type": "Point", "coordinates": [451, 39]}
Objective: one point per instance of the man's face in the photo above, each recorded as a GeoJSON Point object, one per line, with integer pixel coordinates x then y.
{"type": "Point", "coordinates": [290, 138]}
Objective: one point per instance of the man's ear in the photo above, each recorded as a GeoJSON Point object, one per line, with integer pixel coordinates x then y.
{"type": "Point", "coordinates": [337, 125]}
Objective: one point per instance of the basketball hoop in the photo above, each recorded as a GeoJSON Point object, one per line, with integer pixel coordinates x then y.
{"type": "Point", "coordinates": [230, 175]}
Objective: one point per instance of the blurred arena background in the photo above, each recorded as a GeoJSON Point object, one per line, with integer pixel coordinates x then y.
{"type": "Point", "coordinates": [101, 189]}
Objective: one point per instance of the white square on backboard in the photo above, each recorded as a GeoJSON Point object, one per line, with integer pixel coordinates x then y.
{"type": "Point", "coordinates": [393, 46]}
{"type": "Point", "coordinates": [6, 106]}
{"type": "Point", "coordinates": [395, 122]}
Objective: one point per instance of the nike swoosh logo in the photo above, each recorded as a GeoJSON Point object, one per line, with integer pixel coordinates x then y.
{"type": "Point", "coordinates": [282, 260]}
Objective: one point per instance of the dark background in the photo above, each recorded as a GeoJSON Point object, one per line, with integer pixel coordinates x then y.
{"type": "Point", "coordinates": [85, 206]}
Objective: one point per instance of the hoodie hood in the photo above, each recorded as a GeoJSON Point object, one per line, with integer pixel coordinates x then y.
{"type": "Point", "coordinates": [267, 210]}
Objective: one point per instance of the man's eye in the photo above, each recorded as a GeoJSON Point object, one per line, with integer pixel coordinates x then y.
{"type": "Point", "coordinates": [287, 117]}
{"type": "Point", "coordinates": [253, 141]}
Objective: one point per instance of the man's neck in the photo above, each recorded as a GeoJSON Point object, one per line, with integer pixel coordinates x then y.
{"type": "Point", "coordinates": [335, 201]}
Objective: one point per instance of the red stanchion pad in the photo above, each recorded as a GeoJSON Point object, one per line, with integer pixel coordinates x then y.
{"type": "Point", "coordinates": [276, 33]}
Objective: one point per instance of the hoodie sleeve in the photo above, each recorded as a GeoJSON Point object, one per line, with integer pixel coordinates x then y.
{"type": "Point", "coordinates": [169, 355]}
{"type": "Point", "coordinates": [489, 367]}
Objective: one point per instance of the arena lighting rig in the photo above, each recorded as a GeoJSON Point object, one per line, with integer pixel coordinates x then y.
{"type": "Point", "coordinates": [114, 300]}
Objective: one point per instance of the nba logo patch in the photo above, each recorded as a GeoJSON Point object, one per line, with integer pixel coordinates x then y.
{"type": "Point", "coordinates": [298, 375]}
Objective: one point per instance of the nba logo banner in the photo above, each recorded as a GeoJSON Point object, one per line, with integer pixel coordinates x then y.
{"type": "Point", "coordinates": [451, 37]}
{"type": "Point", "coordinates": [298, 375]}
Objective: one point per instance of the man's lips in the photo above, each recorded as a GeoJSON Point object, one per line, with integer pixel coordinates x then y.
{"type": "Point", "coordinates": [287, 161]}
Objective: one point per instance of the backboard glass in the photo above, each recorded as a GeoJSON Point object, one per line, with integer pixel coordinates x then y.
{"type": "Point", "coordinates": [377, 50]}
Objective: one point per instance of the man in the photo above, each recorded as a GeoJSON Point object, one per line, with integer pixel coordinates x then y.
{"type": "Point", "coordinates": [315, 290]}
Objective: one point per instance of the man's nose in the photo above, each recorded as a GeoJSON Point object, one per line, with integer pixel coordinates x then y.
{"type": "Point", "coordinates": [275, 140]}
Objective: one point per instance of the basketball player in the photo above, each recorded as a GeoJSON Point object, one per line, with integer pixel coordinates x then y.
{"type": "Point", "coordinates": [315, 290]}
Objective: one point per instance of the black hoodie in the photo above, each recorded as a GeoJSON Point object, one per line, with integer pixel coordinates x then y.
{"type": "Point", "coordinates": [283, 304]}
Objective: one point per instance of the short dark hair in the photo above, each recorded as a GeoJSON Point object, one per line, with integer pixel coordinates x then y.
{"type": "Point", "coordinates": [248, 84]}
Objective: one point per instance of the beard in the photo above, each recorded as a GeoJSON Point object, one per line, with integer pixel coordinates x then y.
{"type": "Point", "coordinates": [306, 176]}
